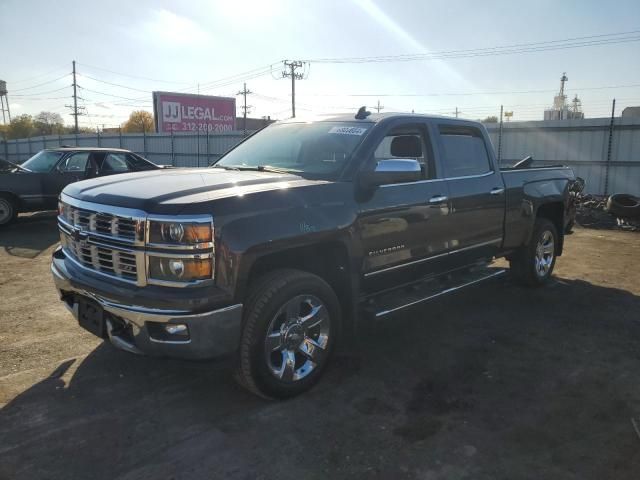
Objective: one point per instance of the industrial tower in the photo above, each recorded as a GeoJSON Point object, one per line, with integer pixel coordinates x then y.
{"type": "Point", "coordinates": [560, 109]}
{"type": "Point", "coordinates": [4, 102]}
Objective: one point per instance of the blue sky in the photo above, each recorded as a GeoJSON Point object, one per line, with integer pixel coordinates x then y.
{"type": "Point", "coordinates": [178, 45]}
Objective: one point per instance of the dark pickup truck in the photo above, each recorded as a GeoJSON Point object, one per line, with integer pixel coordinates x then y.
{"type": "Point", "coordinates": [36, 184]}
{"type": "Point", "coordinates": [301, 235]}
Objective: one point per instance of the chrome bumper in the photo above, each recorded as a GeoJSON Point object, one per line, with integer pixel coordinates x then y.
{"type": "Point", "coordinates": [135, 329]}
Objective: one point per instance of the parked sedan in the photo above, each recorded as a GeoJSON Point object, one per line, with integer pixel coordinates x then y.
{"type": "Point", "coordinates": [35, 184]}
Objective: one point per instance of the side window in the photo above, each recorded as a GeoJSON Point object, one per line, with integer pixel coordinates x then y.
{"type": "Point", "coordinates": [407, 142]}
{"type": "Point", "coordinates": [138, 163]}
{"type": "Point", "coordinates": [76, 163]}
{"type": "Point", "coordinates": [115, 163]}
{"type": "Point", "coordinates": [463, 152]}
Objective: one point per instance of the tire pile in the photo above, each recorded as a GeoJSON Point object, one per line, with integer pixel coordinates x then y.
{"type": "Point", "coordinates": [619, 211]}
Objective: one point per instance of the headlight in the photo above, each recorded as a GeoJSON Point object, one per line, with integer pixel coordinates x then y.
{"type": "Point", "coordinates": [180, 250]}
{"type": "Point", "coordinates": [180, 269]}
{"type": "Point", "coordinates": [180, 233]}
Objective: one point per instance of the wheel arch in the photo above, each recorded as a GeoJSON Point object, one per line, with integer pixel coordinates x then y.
{"type": "Point", "coordinates": [554, 212]}
{"type": "Point", "coordinates": [17, 201]}
{"type": "Point", "coordinates": [328, 260]}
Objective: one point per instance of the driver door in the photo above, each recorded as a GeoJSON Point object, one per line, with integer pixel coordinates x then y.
{"type": "Point", "coordinates": [403, 227]}
{"type": "Point", "coordinates": [72, 168]}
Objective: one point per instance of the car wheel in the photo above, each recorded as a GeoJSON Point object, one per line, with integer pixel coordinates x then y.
{"type": "Point", "coordinates": [291, 322]}
{"type": "Point", "coordinates": [8, 210]}
{"type": "Point", "coordinates": [533, 264]}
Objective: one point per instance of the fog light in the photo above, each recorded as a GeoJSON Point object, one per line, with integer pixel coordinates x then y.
{"type": "Point", "coordinates": [176, 329]}
{"type": "Point", "coordinates": [176, 267]}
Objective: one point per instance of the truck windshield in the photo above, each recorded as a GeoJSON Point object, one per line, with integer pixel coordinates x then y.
{"type": "Point", "coordinates": [320, 149]}
{"type": "Point", "coordinates": [42, 161]}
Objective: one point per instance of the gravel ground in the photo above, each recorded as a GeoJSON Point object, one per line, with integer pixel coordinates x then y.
{"type": "Point", "coordinates": [496, 382]}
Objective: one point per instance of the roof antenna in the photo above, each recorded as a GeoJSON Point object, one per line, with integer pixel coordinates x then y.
{"type": "Point", "coordinates": [362, 113]}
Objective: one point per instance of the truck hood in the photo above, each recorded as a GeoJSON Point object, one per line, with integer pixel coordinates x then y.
{"type": "Point", "coordinates": [170, 190]}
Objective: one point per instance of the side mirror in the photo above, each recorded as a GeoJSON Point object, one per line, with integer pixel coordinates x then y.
{"type": "Point", "coordinates": [399, 170]}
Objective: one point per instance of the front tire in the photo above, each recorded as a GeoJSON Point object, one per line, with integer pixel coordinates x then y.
{"type": "Point", "coordinates": [8, 210]}
{"type": "Point", "coordinates": [533, 264]}
{"type": "Point", "coordinates": [291, 323]}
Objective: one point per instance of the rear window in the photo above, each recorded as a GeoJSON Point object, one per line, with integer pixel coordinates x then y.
{"type": "Point", "coordinates": [463, 152]}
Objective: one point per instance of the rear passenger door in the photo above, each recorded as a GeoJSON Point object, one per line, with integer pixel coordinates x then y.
{"type": "Point", "coordinates": [114, 162]}
{"type": "Point", "coordinates": [476, 192]}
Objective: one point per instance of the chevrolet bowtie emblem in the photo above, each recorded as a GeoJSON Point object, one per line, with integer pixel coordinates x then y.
{"type": "Point", "coordinates": [78, 235]}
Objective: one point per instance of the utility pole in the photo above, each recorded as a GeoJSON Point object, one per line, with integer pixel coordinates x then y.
{"type": "Point", "coordinates": [294, 76]}
{"type": "Point", "coordinates": [244, 92]}
{"type": "Point", "coordinates": [379, 107]}
{"type": "Point", "coordinates": [75, 98]}
{"type": "Point", "coordinates": [76, 111]}
{"type": "Point", "coordinates": [457, 112]}
{"type": "Point", "coordinates": [500, 135]}
{"type": "Point", "coordinates": [609, 147]}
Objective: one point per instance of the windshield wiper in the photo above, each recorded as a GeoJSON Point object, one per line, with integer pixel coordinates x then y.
{"type": "Point", "coordinates": [225, 167]}
{"type": "Point", "coordinates": [258, 168]}
{"type": "Point", "coordinates": [18, 166]}
{"type": "Point", "coordinates": [269, 168]}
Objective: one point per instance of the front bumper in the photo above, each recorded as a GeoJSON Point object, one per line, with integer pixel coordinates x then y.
{"type": "Point", "coordinates": [140, 329]}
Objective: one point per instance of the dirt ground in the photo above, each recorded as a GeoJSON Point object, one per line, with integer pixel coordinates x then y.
{"type": "Point", "coordinates": [496, 382]}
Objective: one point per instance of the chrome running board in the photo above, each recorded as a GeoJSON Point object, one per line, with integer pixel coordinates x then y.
{"type": "Point", "coordinates": [421, 292]}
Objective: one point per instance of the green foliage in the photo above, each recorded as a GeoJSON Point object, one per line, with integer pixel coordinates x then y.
{"type": "Point", "coordinates": [21, 127]}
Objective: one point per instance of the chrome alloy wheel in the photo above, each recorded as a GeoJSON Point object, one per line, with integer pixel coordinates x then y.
{"type": "Point", "coordinates": [297, 338]}
{"type": "Point", "coordinates": [544, 254]}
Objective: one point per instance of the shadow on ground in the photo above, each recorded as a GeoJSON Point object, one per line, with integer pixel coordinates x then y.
{"type": "Point", "coordinates": [30, 234]}
{"type": "Point", "coordinates": [496, 382]}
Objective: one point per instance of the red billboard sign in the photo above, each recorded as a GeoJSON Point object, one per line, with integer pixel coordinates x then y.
{"type": "Point", "coordinates": [180, 112]}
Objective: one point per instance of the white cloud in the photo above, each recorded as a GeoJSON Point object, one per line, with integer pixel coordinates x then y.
{"type": "Point", "coordinates": [104, 105]}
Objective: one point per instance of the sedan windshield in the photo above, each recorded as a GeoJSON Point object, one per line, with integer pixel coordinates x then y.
{"type": "Point", "coordinates": [42, 161]}
{"type": "Point", "coordinates": [320, 149]}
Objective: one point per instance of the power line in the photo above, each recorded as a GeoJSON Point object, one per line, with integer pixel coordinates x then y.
{"type": "Point", "coordinates": [40, 75]}
{"type": "Point", "coordinates": [575, 42]}
{"type": "Point", "coordinates": [41, 84]}
{"type": "Point", "coordinates": [451, 94]}
{"type": "Point", "coordinates": [132, 76]}
{"type": "Point", "coordinates": [114, 84]}
{"type": "Point", "coordinates": [108, 94]}
{"type": "Point", "coordinates": [25, 95]}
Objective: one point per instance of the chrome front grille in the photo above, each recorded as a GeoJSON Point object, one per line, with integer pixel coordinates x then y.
{"type": "Point", "coordinates": [115, 242]}
{"type": "Point", "coordinates": [118, 227]}
{"type": "Point", "coordinates": [119, 263]}
{"type": "Point", "coordinates": [104, 239]}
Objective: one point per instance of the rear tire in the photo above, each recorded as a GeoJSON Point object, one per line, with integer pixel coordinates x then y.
{"type": "Point", "coordinates": [533, 264]}
{"type": "Point", "coordinates": [291, 323]}
{"type": "Point", "coordinates": [8, 210]}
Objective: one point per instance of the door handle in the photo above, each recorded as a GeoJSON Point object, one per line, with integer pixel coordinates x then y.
{"type": "Point", "coordinates": [497, 191]}
{"type": "Point", "coordinates": [438, 199]}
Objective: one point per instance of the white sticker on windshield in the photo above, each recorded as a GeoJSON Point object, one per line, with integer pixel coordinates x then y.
{"type": "Point", "coordinates": [348, 130]}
